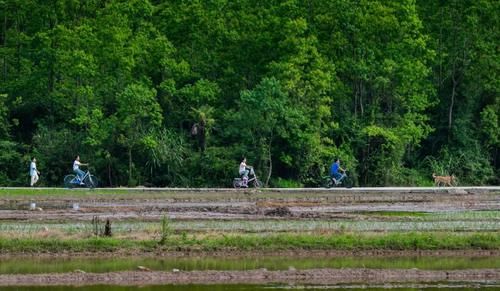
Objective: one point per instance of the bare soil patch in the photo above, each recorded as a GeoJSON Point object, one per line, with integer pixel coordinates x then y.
{"type": "Point", "coordinates": [230, 204]}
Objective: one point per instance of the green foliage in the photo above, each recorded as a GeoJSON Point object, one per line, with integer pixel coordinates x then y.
{"type": "Point", "coordinates": [167, 158]}
{"type": "Point", "coordinates": [470, 166]}
{"type": "Point", "coordinates": [491, 124]}
{"type": "Point", "coordinates": [286, 183]}
{"type": "Point", "coordinates": [396, 89]}
{"type": "Point", "coordinates": [55, 150]}
{"type": "Point", "coordinates": [15, 170]}
{"type": "Point", "coordinates": [283, 241]}
{"type": "Point", "coordinates": [165, 231]}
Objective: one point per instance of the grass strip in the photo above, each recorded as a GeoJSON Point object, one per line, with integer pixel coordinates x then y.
{"type": "Point", "coordinates": [214, 194]}
{"type": "Point", "coordinates": [255, 226]}
{"type": "Point", "coordinates": [43, 192]}
{"type": "Point", "coordinates": [389, 241]}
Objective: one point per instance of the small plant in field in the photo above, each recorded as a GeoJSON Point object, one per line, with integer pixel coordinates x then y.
{"type": "Point", "coordinates": [166, 229]}
{"type": "Point", "coordinates": [98, 229]}
{"type": "Point", "coordinates": [95, 225]}
{"type": "Point", "coordinates": [107, 228]}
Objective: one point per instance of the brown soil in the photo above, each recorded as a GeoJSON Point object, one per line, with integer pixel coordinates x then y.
{"type": "Point", "coordinates": [262, 276]}
{"type": "Point", "coordinates": [238, 205]}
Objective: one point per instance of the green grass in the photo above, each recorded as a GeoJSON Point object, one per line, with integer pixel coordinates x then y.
{"type": "Point", "coordinates": [59, 192]}
{"type": "Point", "coordinates": [190, 194]}
{"type": "Point", "coordinates": [447, 221]}
{"type": "Point", "coordinates": [255, 242]}
{"type": "Point", "coordinates": [394, 213]}
{"type": "Point", "coordinates": [209, 194]}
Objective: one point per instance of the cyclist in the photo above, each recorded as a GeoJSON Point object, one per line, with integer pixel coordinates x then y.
{"type": "Point", "coordinates": [334, 171]}
{"type": "Point", "coordinates": [244, 170]}
{"type": "Point", "coordinates": [76, 168]}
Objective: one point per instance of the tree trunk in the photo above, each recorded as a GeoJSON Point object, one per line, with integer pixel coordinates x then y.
{"type": "Point", "coordinates": [361, 92]}
{"type": "Point", "coordinates": [129, 165]}
{"type": "Point", "coordinates": [452, 102]}
{"type": "Point", "coordinates": [109, 175]}
{"type": "Point", "coordinates": [270, 170]}
{"type": "Point", "coordinates": [4, 43]}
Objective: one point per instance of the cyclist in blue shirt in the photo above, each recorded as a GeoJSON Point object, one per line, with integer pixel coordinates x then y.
{"type": "Point", "coordinates": [334, 171]}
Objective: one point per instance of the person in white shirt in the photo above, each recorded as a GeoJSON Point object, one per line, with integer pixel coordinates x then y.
{"type": "Point", "coordinates": [33, 172]}
{"type": "Point", "coordinates": [244, 169]}
{"type": "Point", "coordinates": [76, 168]}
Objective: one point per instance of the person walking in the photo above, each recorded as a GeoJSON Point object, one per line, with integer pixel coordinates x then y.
{"type": "Point", "coordinates": [34, 173]}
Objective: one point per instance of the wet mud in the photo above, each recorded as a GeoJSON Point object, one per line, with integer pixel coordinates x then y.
{"type": "Point", "coordinates": [251, 205]}
{"type": "Point", "coordinates": [262, 276]}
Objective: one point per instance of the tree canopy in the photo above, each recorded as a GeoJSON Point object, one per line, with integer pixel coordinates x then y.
{"type": "Point", "coordinates": [176, 93]}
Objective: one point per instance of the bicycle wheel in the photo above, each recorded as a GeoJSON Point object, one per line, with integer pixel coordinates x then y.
{"type": "Point", "coordinates": [327, 182]}
{"type": "Point", "coordinates": [257, 184]}
{"type": "Point", "coordinates": [347, 182]}
{"type": "Point", "coordinates": [91, 181]}
{"type": "Point", "coordinates": [67, 181]}
{"type": "Point", "coordinates": [236, 183]}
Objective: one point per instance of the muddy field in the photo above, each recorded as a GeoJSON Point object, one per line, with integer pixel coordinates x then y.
{"type": "Point", "coordinates": [136, 214]}
{"type": "Point", "coordinates": [152, 204]}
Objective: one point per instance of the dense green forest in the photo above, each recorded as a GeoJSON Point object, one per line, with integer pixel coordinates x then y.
{"type": "Point", "coordinates": [175, 93]}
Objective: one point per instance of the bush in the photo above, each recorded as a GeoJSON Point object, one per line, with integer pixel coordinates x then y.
{"type": "Point", "coordinates": [285, 183]}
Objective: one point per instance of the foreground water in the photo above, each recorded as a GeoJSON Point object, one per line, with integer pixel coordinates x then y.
{"type": "Point", "coordinates": [441, 287]}
{"type": "Point", "coordinates": [36, 265]}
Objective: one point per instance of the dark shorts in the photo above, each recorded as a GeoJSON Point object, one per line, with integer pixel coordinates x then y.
{"type": "Point", "coordinates": [336, 176]}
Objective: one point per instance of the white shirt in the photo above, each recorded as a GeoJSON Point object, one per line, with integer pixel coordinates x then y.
{"type": "Point", "coordinates": [33, 170]}
{"type": "Point", "coordinates": [76, 165]}
{"type": "Point", "coordinates": [243, 166]}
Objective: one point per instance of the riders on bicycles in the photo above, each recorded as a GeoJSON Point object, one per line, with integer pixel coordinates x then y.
{"type": "Point", "coordinates": [244, 170]}
{"type": "Point", "coordinates": [334, 171]}
{"type": "Point", "coordinates": [76, 168]}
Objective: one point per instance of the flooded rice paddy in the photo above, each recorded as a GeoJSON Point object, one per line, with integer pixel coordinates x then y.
{"type": "Point", "coordinates": [39, 265]}
{"type": "Point", "coordinates": [137, 215]}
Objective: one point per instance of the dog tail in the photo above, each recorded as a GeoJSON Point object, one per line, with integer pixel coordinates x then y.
{"type": "Point", "coordinates": [433, 175]}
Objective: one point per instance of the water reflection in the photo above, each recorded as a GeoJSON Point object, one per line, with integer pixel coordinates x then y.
{"type": "Point", "coordinates": [35, 265]}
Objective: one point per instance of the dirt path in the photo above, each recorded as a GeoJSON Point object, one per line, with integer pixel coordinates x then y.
{"type": "Point", "coordinates": [312, 276]}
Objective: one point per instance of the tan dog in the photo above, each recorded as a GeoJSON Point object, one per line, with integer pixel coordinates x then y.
{"type": "Point", "coordinates": [443, 180]}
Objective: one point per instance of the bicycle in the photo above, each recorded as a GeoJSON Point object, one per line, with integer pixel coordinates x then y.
{"type": "Point", "coordinates": [344, 181]}
{"type": "Point", "coordinates": [241, 183]}
{"type": "Point", "coordinates": [72, 180]}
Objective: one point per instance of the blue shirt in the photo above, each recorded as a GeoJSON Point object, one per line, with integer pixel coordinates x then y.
{"type": "Point", "coordinates": [334, 169]}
